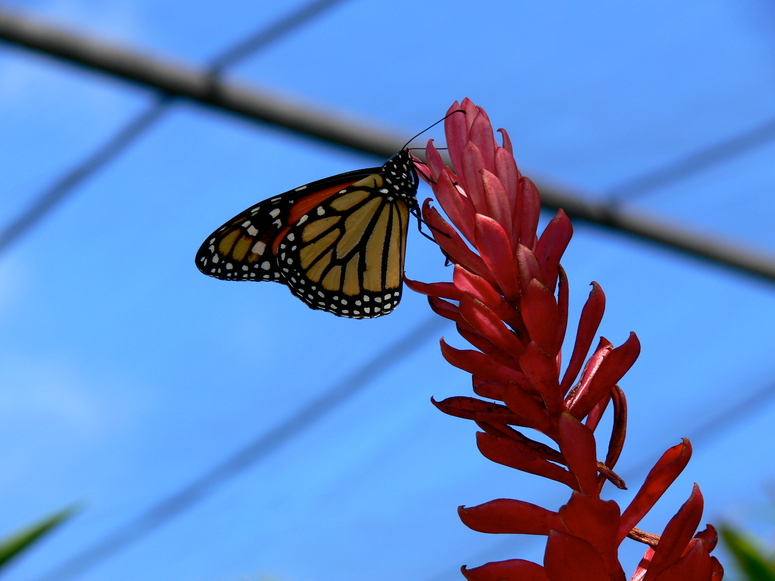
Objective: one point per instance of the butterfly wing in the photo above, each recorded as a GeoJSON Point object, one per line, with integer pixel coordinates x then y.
{"type": "Point", "coordinates": [245, 247]}
{"type": "Point", "coordinates": [346, 256]}
{"type": "Point", "coordinates": [338, 243]}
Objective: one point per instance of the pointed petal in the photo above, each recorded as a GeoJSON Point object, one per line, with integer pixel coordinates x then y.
{"type": "Point", "coordinates": [709, 536]}
{"type": "Point", "coordinates": [563, 301]}
{"type": "Point", "coordinates": [527, 266]}
{"type": "Point", "coordinates": [604, 347]}
{"type": "Point", "coordinates": [487, 389]}
{"type": "Point", "coordinates": [445, 309]}
{"type": "Point", "coordinates": [661, 476]}
{"type": "Point", "coordinates": [678, 533]}
{"type": "Point", "coordinates": [469, 177]}
{"type": "Point", "coordinates": [508, 174]}
{"type": "Point", "coordinates": [454, 246]}
{"type": "Point", "coordinates": [539, 311]}
{"type": "Point", "coordinates": [456, 130]}
{"type": "Point", "coordinates": [445, 290]}
{"type": "Point", "coordinates": [577, 444]}
{"type": "Point", "coordinates": [619, 429]}
{"type": "Point", "coordinates": [480, 365]}
{"type": "Point", "coordinates": [521, 457]}
{"type": "Point", "coordinates": [591, 315]}
{"type": "Point", "coordinates": [532, 412]}
{"type": "Point", "coordinates": [496, 201]}
{"type": "Point", "coordinates": [486, 346]}
{"type": "Point", "coordinates": [510, 517]}
{"type": "Point", "coordinates": [506, 141]}
{"type": "Point", "coordinates": [488, 324]}
{"type": "Point", "coordinates": [695, 565]}
{"type": "Point", "coordinates": [551, 246]}
{"type": "Point", "coordinates": [495, 250]}
{"type": "Point", "coordinates": [471, 408]}
{"type": "Point", "coordinates": [479, 288]}
{"type": "Point", "coordinates": [434, 161]}
{"type": "Point", "coordinates": [611, 370]}
{"type": "Point", "coordinates": [511, 570]}
{"type": "Point", "coordinates": [504, 431]}
{"type": "Point", "coordinates": [596, 414]}
{"type": "Point", "coordinates": [423, 171]}
{"type": "Point", "coordinates": [482, 136]}
{"type": "Point", "coordinates": [530, 212]}
{"type": "Point", "coordinates": [456, 205]}
{"type": "Point", "coordinates": [541, 370]}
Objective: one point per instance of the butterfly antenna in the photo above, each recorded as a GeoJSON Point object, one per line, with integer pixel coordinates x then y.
{"type": "Point", "coordinates": [432, 126]}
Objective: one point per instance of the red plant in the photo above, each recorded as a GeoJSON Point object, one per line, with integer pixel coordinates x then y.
{"type": "Point", "coordinates": [509, 299]}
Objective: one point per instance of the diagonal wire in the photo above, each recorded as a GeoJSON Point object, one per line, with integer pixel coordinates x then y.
{"type": "Point", "coordinates": [259, 106]}
{"type": "Point", "coordinates": [116, 144]}
{"type": "Point", "coordinates": [256, 451]}
{"type": "Point", "coordinates": [692, 163]}
{"type": "Point", "coordinates": [66, 184]}
{"type": "Point", "coordinates": [268, 35]}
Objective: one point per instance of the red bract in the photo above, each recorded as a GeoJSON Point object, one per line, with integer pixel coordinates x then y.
{"type": "Point", "coordinates": [509, 299]}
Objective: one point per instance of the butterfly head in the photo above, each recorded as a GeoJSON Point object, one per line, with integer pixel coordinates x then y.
{"type": "Point", "coordinates": [400, 177]}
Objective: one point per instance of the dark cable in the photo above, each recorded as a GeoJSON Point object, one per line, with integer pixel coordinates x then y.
{"type": "Point", "coordinates": [693, 163]}
{"type": "Point", "coordinates": [65, 185]}
{"type": "Point", "coordinates": [250, 104]}
{"type": "Point", "coordinates": [717, 424]}
{"type": "Point", "coordinates": [716, 250]}
{"type": "Point", "coordinates": [268, 35]}
{"type": "Point", "coordinates": [257, 450]}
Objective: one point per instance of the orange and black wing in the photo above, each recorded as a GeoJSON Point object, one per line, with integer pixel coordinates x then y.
{"type": "Point", "coordinates": [347, 255]}
{"type": "Point", "coordinates": [338, 244]}
{"type": "Point", "coordinates": [244, 248]}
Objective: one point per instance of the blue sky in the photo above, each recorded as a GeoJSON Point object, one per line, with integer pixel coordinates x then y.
{"type": "Point", "coordinates": [126, 374]}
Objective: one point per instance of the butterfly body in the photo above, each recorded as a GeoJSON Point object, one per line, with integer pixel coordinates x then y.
{"type": "Point", "coordinates": [337, 243]}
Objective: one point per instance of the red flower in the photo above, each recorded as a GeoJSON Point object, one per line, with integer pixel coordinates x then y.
{"type": "Point", "coordinates": [509, 299]}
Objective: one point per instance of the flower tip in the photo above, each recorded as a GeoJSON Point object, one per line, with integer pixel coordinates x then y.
{"type": "Point", "coordinates": [506, 140]}
{"type": "Point", "coordinates": [434, 163]}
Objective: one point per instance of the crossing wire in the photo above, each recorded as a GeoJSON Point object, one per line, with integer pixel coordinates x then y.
{"type": "Point", "coordinates": [246, 102]}
{"type": "Point", "coordinates": [138, 125]}
{"type": "Point", "coordinates": [251, 454]}
{"type": "Point", "coordinates": [693, 163]}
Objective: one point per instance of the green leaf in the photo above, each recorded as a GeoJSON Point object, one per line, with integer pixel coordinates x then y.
{"type": "Point", "coordinates": [751, 560]}
{"type": "Point", "coordinates": [11, 546]}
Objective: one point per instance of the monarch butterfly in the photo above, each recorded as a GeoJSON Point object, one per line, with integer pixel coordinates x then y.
{"type": "Point", "coordinates": [338, 243]}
